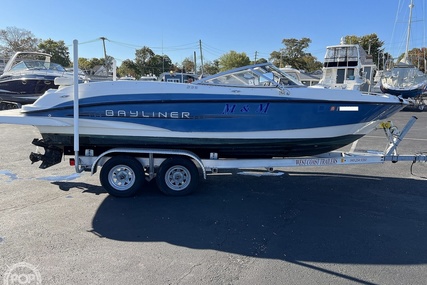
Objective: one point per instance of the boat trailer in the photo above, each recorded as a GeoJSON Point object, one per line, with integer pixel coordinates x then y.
{"type": "Point", "coordinates": [124, 171]}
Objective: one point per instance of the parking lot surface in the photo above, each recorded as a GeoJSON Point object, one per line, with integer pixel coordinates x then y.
{"type": "Point", "coordinates": [359, 224]}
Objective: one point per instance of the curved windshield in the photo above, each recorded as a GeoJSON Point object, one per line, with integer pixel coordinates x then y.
{"type": "Point", "coordinates": [37, 65]}
{"type": "Point", "coordinates": [260, 75]}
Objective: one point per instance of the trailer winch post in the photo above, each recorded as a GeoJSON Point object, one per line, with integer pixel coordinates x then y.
{"type": "Point", "coordinates": [394, 141]}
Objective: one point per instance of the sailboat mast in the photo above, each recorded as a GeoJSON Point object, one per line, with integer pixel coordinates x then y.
{"type": "Point", "coordinates": [408, 34]}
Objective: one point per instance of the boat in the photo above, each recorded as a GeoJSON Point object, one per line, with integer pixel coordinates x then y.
{"type": "Point", "coordinates": [403, 78]}
{"type": "Point", "coordinates": [254, 111]}
{"type": "Point", "coordinates": [305, 78]}
{"type": "Point", "coordinates": [347, 66]}
{"type": "Point", "coordinates": [177, 77]}
{"type": "Point", "coordinates": [27, 75]}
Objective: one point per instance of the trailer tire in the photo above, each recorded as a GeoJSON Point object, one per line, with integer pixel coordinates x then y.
{"type": "Point", "coordinates": [122, 176]}
{"type": "Point", "coordinates": [177, 176]}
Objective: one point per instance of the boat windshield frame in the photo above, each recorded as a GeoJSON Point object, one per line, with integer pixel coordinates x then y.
{"type": "Point", "coordinates": [258, 75]}
{"type": "Point", "coordinates": [37, 65]}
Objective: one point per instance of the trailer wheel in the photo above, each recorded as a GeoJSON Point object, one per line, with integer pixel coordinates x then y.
{"type": "Point", "coordinates": [122, 176]}
{"type": "Point", "coordinates": [177, 176]}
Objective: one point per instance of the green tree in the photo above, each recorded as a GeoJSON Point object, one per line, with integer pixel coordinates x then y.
{"type": "Point", "coordinates": [371, 44]}
{"type": "Point", "coordinates": [159, 63]}
{"type": "Point", "coordinates": [58, 50]}
{"type": "Point", "coordinates": [293, 54]}
{"type": "Point", "coordinates": [142, 60]}
{"type": "Point", "coordinates": [13, 39]}
{"type": "Point", "coordinates": [128, 67]}
{"type": "Point", "coordinates": [261, 60]}
{"type": "Point", "coordinates": [311, 64]}
{"type": "Point", "coordinates": [96, 61]}
{"type": "Point", "coordinates": [233, 59]}
{"type": "Point", "coordinates": [210, 67]}
{"type": "Point", "coordinates": [84, 64]}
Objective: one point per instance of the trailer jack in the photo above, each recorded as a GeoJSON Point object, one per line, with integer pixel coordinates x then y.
{"type": "Point", "coordinates": [52, 154]}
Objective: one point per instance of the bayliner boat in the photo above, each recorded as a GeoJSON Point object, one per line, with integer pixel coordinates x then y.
{"type": "Point", "coordinates": [347, 66]}
{"type": "Point", "coordinates": [253, 111]}
{"type": "Point", "coordinates": [27, 75]}
{"type": "Point", "coordinates": [403, 78]}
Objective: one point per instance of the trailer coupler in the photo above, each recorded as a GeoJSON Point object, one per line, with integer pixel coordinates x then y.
{"type": "Point", "coordinates": [52, 154]}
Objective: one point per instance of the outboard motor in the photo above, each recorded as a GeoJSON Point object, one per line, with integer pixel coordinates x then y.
{"type": "Point", "coordinates": [52, 154]}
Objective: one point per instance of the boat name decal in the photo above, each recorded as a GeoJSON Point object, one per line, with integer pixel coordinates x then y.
{"type": "Point", "coordinates": [144, 114]}
{"type": "Point", "coordinates": [233, 108]}
{"type": "Point", "coordinates": [316, 161]}
{"type": "Point", "coordinates": [348, 108]}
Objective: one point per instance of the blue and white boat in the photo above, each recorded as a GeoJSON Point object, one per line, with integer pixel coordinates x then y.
{"type": "Point", "coordinates": [253, 111]}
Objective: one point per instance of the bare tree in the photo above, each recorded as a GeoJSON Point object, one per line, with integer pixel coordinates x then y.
{"type": "Point", "coordinates": [13, 39]}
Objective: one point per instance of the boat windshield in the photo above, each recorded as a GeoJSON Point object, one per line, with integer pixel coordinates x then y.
{"type": "Point", "coordinates": [37, 65]}
{"type": "Point", "coordinates": [259, 75]}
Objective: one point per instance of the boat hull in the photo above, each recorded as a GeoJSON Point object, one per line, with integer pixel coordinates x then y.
{"type": "Point", "coordinates": [404, 93]}
{"type": "Point", "coordinates": [24, 90]}
{"type": "Point", "coordinates": [247, 127]}
{"type": "Point", "coordinates": [226, 148]}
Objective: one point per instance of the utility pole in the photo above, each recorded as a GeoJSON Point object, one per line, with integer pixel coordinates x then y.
{"type": "Point", "coordinates": [256, 53]}
{"type": "Point", "coordinates": [195, 63]}
{"type": "Point", "coordinates": [201, 55]}
{"type": "Point", "coordinates": [105, 54]}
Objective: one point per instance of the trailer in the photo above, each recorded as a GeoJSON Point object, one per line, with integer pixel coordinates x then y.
{"type": "Point", "coordinates": [125, 171]}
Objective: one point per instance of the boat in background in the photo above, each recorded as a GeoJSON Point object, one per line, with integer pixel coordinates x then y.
{"type": "Point", "coordinates": [403, 78]}
{"type": "Point", "coordinates": [27, 75]}
{"type": "Point", "coordinates": [305, 78]}
{"type": "Point", "coordinates": [347, 66]}
{"type": "Point", "coordinates": [252, 112]}
{"type": "Point", "coordinates": [177, 77]}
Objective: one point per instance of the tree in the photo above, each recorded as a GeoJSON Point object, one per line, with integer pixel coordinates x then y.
{"type": "Point", "coordinates": [210, 67]}
{"type": "Point", "coordinates": [58, 50]}
{"type": "Point", "coordinates": [418, 57]}
{"type": "Point", "coordinates": [371, 44]}
{"type": "Point", "coordinates": [142, 60]}
{"type": "Point", "coordinates": [84, 64]}
{"type": "Point", "coordinates": [15, 39]}
{"type": "Point", "coordinates": [159, 63]}
{"type": "Point", "coordinates": [128, 67]}
{"type": "Point", "coordinates": [294, 55]}
{"type": "Point", "coordinates": [188, 65]}
{"type": "Point", "coordinates": [233, 59]}
{"type": "Point", "coordinates": [261, 60]}
{"type": "Point", "coordinates": [311, 64]}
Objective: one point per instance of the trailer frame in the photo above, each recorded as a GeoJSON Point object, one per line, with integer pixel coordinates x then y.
{"type": "Point", "coordinates": [151, 160]}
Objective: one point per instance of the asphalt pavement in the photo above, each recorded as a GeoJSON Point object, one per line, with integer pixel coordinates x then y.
{"type": "Point", "coordinates": [359, 224]}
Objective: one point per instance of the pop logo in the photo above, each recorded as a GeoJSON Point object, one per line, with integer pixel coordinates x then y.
{"type": "Point", "coordinates": [22, 273]}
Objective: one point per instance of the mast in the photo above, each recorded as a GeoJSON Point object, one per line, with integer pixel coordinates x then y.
{"type": "Point", "coordinates": [408, 34]}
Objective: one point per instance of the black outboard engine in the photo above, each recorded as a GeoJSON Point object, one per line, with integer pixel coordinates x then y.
{"type": "Point", "coordinates": [52, 154]}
